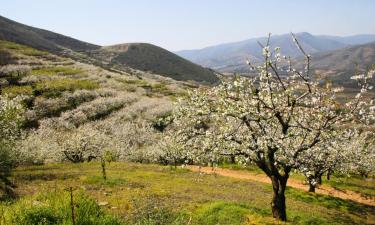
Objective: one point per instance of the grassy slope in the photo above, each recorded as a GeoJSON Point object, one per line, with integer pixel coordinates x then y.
{"type": "Point", "coordinates": [39, 38]}
{"type": "Point", "coordinates": [149, 57]}
{"type": "Point", "coordinates": [156, 193]}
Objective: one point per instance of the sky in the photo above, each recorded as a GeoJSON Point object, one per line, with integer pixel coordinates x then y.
{"type": "Point", "coordinates": [190, 24]}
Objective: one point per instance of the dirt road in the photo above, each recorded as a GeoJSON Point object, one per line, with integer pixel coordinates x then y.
{"type": "Point", "coordinates": [323, 189]}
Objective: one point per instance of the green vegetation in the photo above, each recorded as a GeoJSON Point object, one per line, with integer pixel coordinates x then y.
{"type": "Point", "coordinates": [151, 194]}
{"type": "Point", "coordinates": [13, 91]}
{"type": "Point", "coordinates": [365, 186]}
{"type": "Point", "coordinates": [22, 49]}
{"type": "Point", "coordinates": [54, 88]}
{"type": "Point", "coordinates": [56, 70]}
{"type": "Point", "coordinates": [55, 208]}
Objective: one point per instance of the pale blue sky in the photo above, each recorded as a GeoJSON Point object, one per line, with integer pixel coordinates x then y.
{"type": "Point", "coordinates": [187, 24]}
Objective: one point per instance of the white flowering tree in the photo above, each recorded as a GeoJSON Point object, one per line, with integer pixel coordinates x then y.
{"type": "Point", "coordinates": [11, 118]}
{"type": "Point", "coordinates": [324, 157]}
{"type": "Point", "coordinates": [359, 157]}
{"type": "Point", "coordinates": [271, 119]}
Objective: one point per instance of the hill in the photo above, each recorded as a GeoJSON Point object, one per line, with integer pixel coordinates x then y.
{"type": "Point", "coordinates": [144, 57]}
{"type": "Point", "coordinates": [341, 64]}
{"type": "Point", "coordinates": [148, 57]}
{"type": "Point", "coordinates": [231, 57]}
{"type": "Point", "coordinates": [39, 38]}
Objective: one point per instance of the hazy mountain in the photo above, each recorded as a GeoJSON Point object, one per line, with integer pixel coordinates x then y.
{"type": "Point", "coordinates": [138, 56]}
{"type": "Point", "coordinates": [340, 65]}
{"type": "Point", "coordinates": [352, 40]}
{"type": "Point", "coordinates": [231, 57]}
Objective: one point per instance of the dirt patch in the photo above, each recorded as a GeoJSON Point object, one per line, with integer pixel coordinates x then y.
{"type": "Point", "coordinates": [323, 189]}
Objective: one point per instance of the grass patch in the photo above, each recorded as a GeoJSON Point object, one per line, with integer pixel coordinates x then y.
{"type": "Point", "coordinates": [22, 49]}
{"type": "Point", "coordinates": [365, 186]}
{"type": "Point", "coordinates": [55, 208]}
{"type": "Point", "coordinates": [111, 182]}
{"type": "Point", "coordinates": [13, 91]}
{"type": "Point", "coordinates": [50, 71]}
{"type": "Point", "coordinates": [54, 88]}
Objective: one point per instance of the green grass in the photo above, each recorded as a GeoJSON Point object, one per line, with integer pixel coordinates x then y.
{"type": "Point", "coordinates": [365, 186]}
{"type": "Point", "coordinates": [50, 71]}
{"type": "Point", "coordinates": [54, 88]}
{"type": "Point", "coordinates": [13, 91]}
{"type": "Point", "coordinates": [149, 194]}
{"type": "Point", "coordinates": [22, 49]}
{"type": "Point", "coordinates": [55, 208]}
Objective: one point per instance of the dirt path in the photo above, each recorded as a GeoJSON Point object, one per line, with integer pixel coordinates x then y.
{"type": "Point", "coordinates": [323, 189]}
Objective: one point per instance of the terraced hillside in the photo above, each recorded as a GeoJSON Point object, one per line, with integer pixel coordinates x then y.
{"type": "Point", "coordinates": [66, 99]}
{"type": "Point", "coordinates": [145, 57]}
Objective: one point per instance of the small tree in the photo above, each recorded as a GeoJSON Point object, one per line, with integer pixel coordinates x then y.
{"type": "Point", "coordinates": [11, 118]}
{"type": "Point", "coordinates": [270, 119]}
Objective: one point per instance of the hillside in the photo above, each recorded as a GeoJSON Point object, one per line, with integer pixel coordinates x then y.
{"type": "Point", "coordinates": [148, 57]}
{"type": "Point", "coordinates": [341, 64]}
{"type": "Point", "coordinates": [39, 38]}
{"type": "Point", "coordinates": [231, 57]}
{"type": "Point", "coordinates": [144, 57]}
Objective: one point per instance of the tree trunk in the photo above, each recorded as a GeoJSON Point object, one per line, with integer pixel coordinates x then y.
{"type": "Point", "coordinates": [319, 179]}
{"type": "Point", "coordinates": [103, 169]}
{"type": "Point", "coordinates": [329, 174]}
{"type": "Point", "coordinates": [278, 200]}
{"type": "Point", "coordinates": [311, 187]}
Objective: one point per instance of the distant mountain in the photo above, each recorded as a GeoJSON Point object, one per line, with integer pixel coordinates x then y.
{"type": "Point", "coordinates": [340, 65]}
{"type": "Point", "coordinates": [138, 56]}
{"type": "Point", "coordinates": [231, 57]}
{"type": "Point", "coordinates": [352, 40]}
{"type": "Point", "coordinates": [148, 57]}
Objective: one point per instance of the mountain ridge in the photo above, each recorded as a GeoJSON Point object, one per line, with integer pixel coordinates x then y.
{"type": "Point", "coordinates": [231, 57]}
